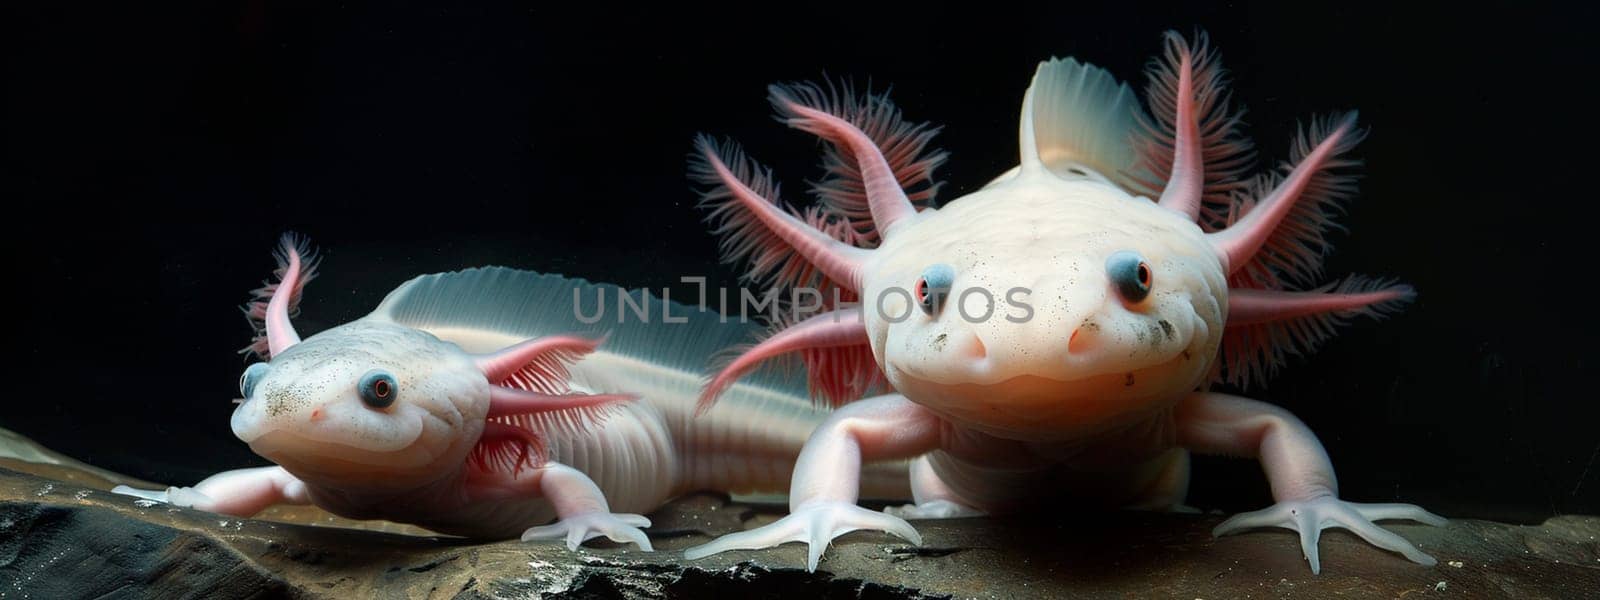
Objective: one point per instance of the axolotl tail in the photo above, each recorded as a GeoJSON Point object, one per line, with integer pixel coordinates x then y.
{"type": "Point", "coordinates": [645, 452]}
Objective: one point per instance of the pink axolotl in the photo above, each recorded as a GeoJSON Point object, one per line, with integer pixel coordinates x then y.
{"type": "Point", "coordinates": [466, 404]}
{"type": "Point", "coordinates": [1050, 337]}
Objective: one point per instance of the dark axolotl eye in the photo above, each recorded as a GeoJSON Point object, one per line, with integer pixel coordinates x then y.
{"type": "Point", "coordinates": [378, 388]}
{"type": "Point", "coordinates": [933, 286]}
{"type": "Point", "coordinates": [252, 376]}
{"type": "Point", "coordinates": [1130, 274]}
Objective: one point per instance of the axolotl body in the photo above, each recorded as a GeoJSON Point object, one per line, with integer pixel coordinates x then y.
{"type": "Point", "coordinates": [479, 403]}
{"type": "Point", "coordinates": [1096, 393]}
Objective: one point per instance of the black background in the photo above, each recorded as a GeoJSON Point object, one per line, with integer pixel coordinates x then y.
{"type": "Point", "coordinates": [152, 156]}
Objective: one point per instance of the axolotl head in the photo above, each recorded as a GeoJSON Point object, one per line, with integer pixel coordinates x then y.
{"type": "Point", "coordinates": [1127, 260]}
{"type": "Point", "coordinates": [366, 401]}
{"type": "Point", "coordinates": [1045, 304]}
{"type": "Point", "coordinates": [380, 405]}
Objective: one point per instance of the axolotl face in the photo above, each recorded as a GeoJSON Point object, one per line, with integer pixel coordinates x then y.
{"type": "Point", "coordinates": [367, 402]}
{"type": "Point", "coordinates": [1045, 308]}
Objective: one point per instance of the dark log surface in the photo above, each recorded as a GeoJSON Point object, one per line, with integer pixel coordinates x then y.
{"type": "Point", "coordinates": [60, 539]}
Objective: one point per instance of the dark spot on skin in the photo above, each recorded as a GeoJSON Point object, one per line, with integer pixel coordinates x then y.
{"type": "Point", "coordinates": [281, 401]}
{"type": "Point", "coordinates": [938, 342]}
{"type": "Point", "coordinates": [1186, 355]}
{"type": "Point", "coordinates": [1129, 380]}
{"type": "Point", "coordinates": [1166, 327]}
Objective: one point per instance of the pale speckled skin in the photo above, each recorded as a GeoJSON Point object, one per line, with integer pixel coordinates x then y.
{"type": "Point", "coordinates": [1089, 403]}
{"type": "Point", "coordinates": [1052, 236]}
{"type": "Point", "coordinates": [1095, 397]}
{"type": "Point", "coordinates": [306, 408]}
{"type": "Point", "coordinates": [407, 463]}
{"type": "Point", "coordinates": [1026, 408]}
{"type": "Point", "coordinates": [656, 448]}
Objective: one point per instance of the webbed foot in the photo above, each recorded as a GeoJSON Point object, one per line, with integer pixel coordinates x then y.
{"type": "Point", "coordinates": [617, 527]}
{"type": "Point", "coordinates": [1310, 517]}
{"type": "Point", "coordinates": [816, 524]}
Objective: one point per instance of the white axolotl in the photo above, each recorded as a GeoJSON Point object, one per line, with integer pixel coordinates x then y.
{"type": "Point", "coordinates": [438, 410]}
{"type": "Point", "coordinates": [1051, 336]}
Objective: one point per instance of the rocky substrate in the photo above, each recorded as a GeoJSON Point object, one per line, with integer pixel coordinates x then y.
{"type": "Point", "coordinates": [61, 539]}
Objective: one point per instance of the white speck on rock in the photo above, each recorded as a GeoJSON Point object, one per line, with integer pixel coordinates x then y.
{"type": "Point", "coordinates": [1439, 587]}
{"type": "Point", "coordinates": [1457, 564]}
{"type": "Point", "coordinates": [48, 487]}
{"type": "Point", "coordinates": [142, 503]}
{"type": "Point", "coordinates": [550, 578]}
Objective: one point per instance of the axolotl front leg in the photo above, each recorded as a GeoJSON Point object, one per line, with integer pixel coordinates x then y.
{"type": "Point", "coordinates": [1298, 469]}
{"type": "Point", "coordinates": [824, 490]}
{"type": "Point", "coordinates": [239, 493]}
{"type": "Point", "coordinates": [581, 508]}
{"type": "Point", "coordinates": [827, 476]}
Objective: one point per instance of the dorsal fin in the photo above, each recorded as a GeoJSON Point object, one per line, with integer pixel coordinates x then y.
{"type": "Point", "coordinates": [1083, 118]}
{"type": "Point", "coordinates": [527, 304]}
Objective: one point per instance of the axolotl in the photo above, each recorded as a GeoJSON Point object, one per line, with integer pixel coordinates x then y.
{"type": "Point", "coordinates": [1050, 338]}
{"type": "Point", "coordinates": [479, 403]}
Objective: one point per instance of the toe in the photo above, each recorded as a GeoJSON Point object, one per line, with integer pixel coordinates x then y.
{"type": "Point", "coordinates": [1268, 517]}
{"type": "Point", "coordinates": [576, 536]}
{"type": "Point", "coordinates": [1384, 538]}
{"type": "Point", "coordinates": [544, 532]}
{"type": "Point", "coordinates": [637, 537]}
{"type": "Point", "coordinates": [1407, 512]}
{"type": "Point", "coordinates": [754, 539]}
{"type": "Point", "coordinates": [1310, 535]}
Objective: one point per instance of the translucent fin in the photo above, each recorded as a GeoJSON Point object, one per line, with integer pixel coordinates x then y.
{"type": "Point", "coordinates": [524, 304]}
{"type": "Point", "coordinates": [1226, 155]}
{"type": "Point", "coordinates": [1083, 118]}
{"type": "Point", "coordinates": [1253, 352]}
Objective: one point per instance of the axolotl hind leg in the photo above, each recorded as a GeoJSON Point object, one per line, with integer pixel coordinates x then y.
{"type": "Point", "coordinates": [932, 498]}
{"type": "Point", "coordinates": [583, 512]}
{"type": "Point", "coordinates": [1298, 469]}
{"type": "Point", "coordinates": [581, 509]}
{"type": "Point", "coordinates": [240, 493]}
{"type": "Point", "coordinates": [827, 478]}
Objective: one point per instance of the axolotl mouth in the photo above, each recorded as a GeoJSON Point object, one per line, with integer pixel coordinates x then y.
{"type": "Point", "coordinates": [271, 430]}
{"type": "Point", "coordinates": [1035, 405]}
{"type": "Point", "coordinates": [1031, 407]}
